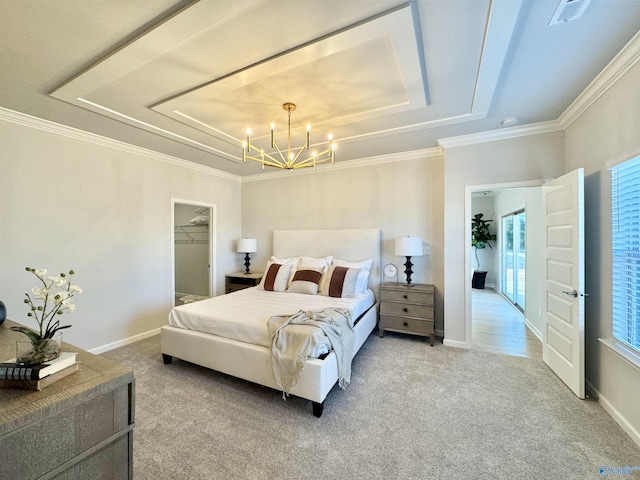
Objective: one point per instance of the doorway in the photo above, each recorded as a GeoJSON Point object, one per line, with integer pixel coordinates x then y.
{"type": "Point", "coordinates": [192, 235]}
{"type": "Point", "coordinates": [513, 258]}
{"type": "Point", "coordinates": [506, 317]}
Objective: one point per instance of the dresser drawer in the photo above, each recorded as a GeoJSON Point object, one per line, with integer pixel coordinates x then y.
{"type": "Point", "coordinates": [407, 296]}
{"type": "Point", "coordinates": [407, 310]}
{"type": "Point", "coordinates": [409, 325]}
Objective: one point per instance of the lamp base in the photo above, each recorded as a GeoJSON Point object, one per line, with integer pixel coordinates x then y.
{"type": "Point", "coordinates": [407, 270]}
{"type": "Point", "coordinates": [247, 263]}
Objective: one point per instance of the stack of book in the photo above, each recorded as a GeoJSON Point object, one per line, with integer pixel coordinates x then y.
{"type": "Point", "coordinates": [37, 376]}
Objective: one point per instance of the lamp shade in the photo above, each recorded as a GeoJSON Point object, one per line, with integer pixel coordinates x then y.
{"type": "Point", "coordinates": [247, 245]}
{"type": "Point", "coordinates": [409, 246]}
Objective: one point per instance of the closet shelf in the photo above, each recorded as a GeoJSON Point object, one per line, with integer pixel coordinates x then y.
{"type": "Point", "coordinates": [189, 233]}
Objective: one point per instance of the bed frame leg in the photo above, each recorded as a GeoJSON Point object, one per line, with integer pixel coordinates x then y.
{"type": "Point", "coordinates": [167, 359]}
{"type": "Point", "coordinates": [317, 409]}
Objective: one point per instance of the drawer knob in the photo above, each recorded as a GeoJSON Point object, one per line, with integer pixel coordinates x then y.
{"type": "Point", "coordinates": [405, 297]}
{"type": "Point", "coordinates": [405, 310]}
{"type": "Point", "coordinates": [405, 324]}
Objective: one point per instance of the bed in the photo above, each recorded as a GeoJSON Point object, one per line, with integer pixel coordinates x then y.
{"type": "Point", "coordinates": [234, 349]}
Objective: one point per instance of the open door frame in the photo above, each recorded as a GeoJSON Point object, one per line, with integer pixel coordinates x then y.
{"type": "Point", "coordinates": [212, 243]}
{"type": "Point", "coordinates": [468, 249]}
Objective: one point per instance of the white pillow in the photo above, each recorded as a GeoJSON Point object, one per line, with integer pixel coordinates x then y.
{"type": "Point", "coordinates": [275, 278]}
{"type": "Point", "coordinates": [306, 280]}
{"type": "Point", "coordinates": [340, 282]}
{"type": "Point", "coordinates": [363, 276]}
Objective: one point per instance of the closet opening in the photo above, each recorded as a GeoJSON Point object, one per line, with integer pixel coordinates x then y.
{"type": "Point", "coordinates": [193, 229]}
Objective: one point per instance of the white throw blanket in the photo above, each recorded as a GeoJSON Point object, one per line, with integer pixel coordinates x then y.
{"type": "Point", "coordinates": [292, 345]}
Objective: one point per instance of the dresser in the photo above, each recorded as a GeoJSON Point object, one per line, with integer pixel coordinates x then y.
{"type": "Point", "coordinates": [407, 309]}
{"type": "Point", "coordinates": [239, 280]}
{"type": "Point", "coordinates": [78, 427]}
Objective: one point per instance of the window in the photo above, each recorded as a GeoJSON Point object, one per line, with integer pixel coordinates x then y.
{"type": "Point", "coordinates": [625, 223]}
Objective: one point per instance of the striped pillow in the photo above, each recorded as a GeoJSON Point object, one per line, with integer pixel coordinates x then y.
{"type": "Point", "coordinates": [275, 278]}
{"type": "Point", "coordinates": [306, 281]}
{"type": "Point", "coordinates": [340, 282]}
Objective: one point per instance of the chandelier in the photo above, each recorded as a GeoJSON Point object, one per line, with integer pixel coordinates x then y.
{"type": "Point", "coordinates": [288, 159]}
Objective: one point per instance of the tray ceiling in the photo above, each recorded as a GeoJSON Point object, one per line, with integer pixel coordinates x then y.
{"type": "Point", "coordinates": [186, 78]}
{"type": "Point", "coordinates": [206, 74]}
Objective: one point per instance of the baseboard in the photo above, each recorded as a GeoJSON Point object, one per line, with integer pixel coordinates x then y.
{"type": "Point", "coordinates": [533, 329]}
{"type": "Point", "coordinates": [614, 413]}
{"type": "Point", "coordinates": [123, 342]}
{"type": "Point", "coordinates": [454, 343]}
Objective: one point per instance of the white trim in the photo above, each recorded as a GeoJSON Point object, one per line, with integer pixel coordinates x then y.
{"type": "Point", "coordinates": [454, 343]}
{"type": "Point", "coordinates": [76, 134]}
{"type": "Point", "coordinates": [125, 341]}
{"type": "Point", "coordinates": [623, 157]}
{"type": "Point", "coordinates": [624, 352]}
{"type": "Point", "coordinates": [615, 414]}
{"type": "Point", "coordinates": [363, 162]}
{"type": "Point", "coordinates": [615, 69]}
{"type": "Point", "coordinates": [533, 328]}
{"type": "Point", "coordinates": [502, 134]}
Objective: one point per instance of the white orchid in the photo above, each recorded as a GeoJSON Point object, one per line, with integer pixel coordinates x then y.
{"type": "Point", "coordinates": [58, 281]}
{"type": "Point", "coordinates": [56, 293]}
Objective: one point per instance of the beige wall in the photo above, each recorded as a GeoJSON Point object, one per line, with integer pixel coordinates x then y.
{"type": "Point", "coordinates": [105, 212]}
{"type": "Point", "coordinates": [606, 133]}
{"type": "Point", "coordinates": [401, 198]}
{"type": "Point", "coordinates": [505, 163]}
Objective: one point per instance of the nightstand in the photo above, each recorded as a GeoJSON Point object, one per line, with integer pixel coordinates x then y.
{"type": "Point", "coordinates": [240, 280]}
{"type": "Point", "coordinates": [407, 309]}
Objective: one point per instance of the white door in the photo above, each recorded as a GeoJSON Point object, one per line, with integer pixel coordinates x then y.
{"type": "Point", "coordinates": [563, 338]}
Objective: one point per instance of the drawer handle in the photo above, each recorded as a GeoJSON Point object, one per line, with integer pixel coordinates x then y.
{"type": "Point", "coordinates": [405, 310]}
{"type": "Point", "coordinates": [405, 297]}
{"type": "Point", "coordinates": [405, 324]}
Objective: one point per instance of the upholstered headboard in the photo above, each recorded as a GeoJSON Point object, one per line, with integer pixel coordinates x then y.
{"type": "Point", "coordinates": [352, 244]}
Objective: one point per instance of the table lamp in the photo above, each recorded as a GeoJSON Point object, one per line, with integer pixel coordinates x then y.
{"type": "Point", "coordinates": [247, 246]}
{"type": "Point", "coordinates": [408, 247]}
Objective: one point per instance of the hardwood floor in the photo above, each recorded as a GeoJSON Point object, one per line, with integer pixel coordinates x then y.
{"type": "Point", "coordinates": [498, 327]}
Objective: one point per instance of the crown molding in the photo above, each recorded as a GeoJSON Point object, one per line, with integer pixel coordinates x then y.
{"type": "Point", "coordinates": [615, 69]}
{"type": "Point", "coordinates": [24, 119]}
{"type": "Point", "coordinates": [502, 134]}
{"type": "Point", "coordinates": [347, 164]}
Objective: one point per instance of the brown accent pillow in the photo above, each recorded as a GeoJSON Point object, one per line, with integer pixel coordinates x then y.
{"type": "Point", "coordinates": [340, 282]}
{"type": "Point", "coordinates": [275, 278]}
{"type": "Point", "coordinates": [306, 281]}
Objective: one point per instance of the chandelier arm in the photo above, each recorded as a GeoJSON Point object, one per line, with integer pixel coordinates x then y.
{"type": "Point", "coordinates": [265, 162]}
{"type": "Point", "coordinates": [317, 159]}
{"type": "Point", "coordinates": [275, 145]}
{"type": "Point", "coordinates": [271, 161]}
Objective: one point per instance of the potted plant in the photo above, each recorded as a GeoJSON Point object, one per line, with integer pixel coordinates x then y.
{"type": "Point", "coordinates": [55, 294]}
{"type": "Point", "coordinates": [481, 237]}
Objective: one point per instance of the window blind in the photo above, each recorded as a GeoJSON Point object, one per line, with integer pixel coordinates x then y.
{"type": "Point", "coordinates": [625, 219]}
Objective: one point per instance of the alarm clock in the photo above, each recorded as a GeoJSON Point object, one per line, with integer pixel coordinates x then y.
{"type": "Point", "coordinates": [391, 271]}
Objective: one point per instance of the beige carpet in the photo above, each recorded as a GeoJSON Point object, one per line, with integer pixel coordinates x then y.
{"type": "Point", "coordinates": [411, 412]}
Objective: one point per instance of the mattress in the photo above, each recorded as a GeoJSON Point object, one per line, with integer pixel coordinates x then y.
{"type": "Point", "coordinates": [243, 315]}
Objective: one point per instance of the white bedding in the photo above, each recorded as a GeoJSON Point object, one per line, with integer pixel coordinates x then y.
{"type": "Point", "coordinates": [243, 315]}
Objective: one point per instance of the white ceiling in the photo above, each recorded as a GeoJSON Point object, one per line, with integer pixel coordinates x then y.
{"type": "Point", "coordinates": [383, 76]}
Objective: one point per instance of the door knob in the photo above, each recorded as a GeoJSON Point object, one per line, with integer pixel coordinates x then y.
{"type": "Point", "coordinates": [573, 293]}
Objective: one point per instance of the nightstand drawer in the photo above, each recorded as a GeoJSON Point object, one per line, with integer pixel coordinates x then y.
{"type": "Point", "coordinates": [407, 310]}
{"type": "Point", "coordinates": [407, 296]}
{"type": "Point", "coordinates": [409, 325]}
